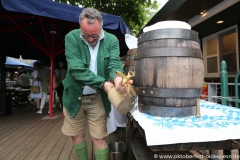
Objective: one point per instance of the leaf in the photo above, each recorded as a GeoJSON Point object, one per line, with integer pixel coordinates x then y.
{"type": "Point", "coordinates": [135, 13]}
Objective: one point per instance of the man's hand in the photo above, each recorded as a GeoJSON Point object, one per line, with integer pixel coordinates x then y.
{"type": "Point", "coordinates": [107, 86]}
{"type": "Point", "coordinates": [122, 88]}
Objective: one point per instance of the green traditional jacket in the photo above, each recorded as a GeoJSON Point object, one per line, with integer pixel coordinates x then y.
{"type": "Point", "coordinates": [78, 72]}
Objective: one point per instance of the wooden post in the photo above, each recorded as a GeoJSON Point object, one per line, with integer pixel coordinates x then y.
{"type": "Point", "coordinates": [52, 56]}
{"type": "Point", "coordinates": [130, 129]}
{"type": "Point", "coordinates": [5, 107]}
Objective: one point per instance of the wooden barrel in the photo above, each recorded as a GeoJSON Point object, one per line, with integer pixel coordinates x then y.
{"type": "Point", "coordinates": [129, 62]}
{"type": "Point", "coordinates": [169, 72]}
{"type": "Point", "coordinates": [123, 59]}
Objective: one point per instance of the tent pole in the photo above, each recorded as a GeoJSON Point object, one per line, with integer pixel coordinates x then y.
{"type": "Point", "coordinates": [52, 56]}
{"type": "Point", "coordinates": [51, 87]}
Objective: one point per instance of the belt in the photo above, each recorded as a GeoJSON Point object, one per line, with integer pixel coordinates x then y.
{"type": "Point", "coordinates": [88, 95]}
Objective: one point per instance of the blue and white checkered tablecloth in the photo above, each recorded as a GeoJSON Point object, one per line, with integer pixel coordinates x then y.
{"type": "Point", "coordinates": [217, 122]}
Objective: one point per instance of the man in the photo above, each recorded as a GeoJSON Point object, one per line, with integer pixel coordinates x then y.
{"type": "Point", "coordinates": [45, 80]}
{"type": "Point", "coordinates": [60, 77]}
{"type": "Point", "coordinates": [23, 80]}
{"type": "Point", "coordinates": [92, 57]}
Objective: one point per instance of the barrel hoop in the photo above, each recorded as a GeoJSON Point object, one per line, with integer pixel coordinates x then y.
{"type": "Point", "coordinates": [168, 111]}
{"type": "Point", "coordinates": [169, 52]}
{"type": "Point", "coordinates": [132, 51]}
{"type": "Point", "coordinates": [175, 33]}
{"type": "Point", "coordinates": [168, 92]}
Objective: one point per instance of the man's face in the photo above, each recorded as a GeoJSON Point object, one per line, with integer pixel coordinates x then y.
{"type": "Point", "coordinates": [91, 32]}
{"type": "Point", "coordinates": [60, 64]}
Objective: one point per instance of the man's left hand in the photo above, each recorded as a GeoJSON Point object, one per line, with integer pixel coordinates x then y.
{"type": "Point", "coordinates": [122, 88]}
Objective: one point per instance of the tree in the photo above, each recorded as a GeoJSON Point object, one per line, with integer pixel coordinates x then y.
{"type": "Point", "coordinates": [135, 13]}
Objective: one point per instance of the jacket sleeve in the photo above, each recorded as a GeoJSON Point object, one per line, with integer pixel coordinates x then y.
{"type": "Point", "coordinates": [114, 64]}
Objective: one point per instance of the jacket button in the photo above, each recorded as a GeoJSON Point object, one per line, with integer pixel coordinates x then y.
{"type": "Point", "coordinates": [79, 98]}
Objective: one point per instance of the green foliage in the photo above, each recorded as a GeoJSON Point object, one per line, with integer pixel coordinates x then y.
{"type": "Point", "coordinates": [135, 13]}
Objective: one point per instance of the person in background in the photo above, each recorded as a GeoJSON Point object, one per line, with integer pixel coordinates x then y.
{"type": "Point", "coordinates": [60, 76]}
{"type": "Point", "coordinates": [24, 80]}
{"type": "Point", "coordinates": [15, 79]}
{"type": "Point", "coordinates": [15, 76]}
{"type": "Point", "coordinates": [54, 91]}
{"type": "Point", "coordinates": [20, 70]}
{"type": "Point", "coordinates": [8, 76]}
{"type": "Point", "coordinates": [36, 82]}
{"type": "Point", "coordinates": [92, 56]}
{"type": "Point", "coordinates": [55, 74]}
{"type": "Point", "coordinates": [45, 79]}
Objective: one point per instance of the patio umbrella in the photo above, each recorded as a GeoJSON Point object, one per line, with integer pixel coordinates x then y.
{"type": "Point", "coordinates": [14, 63]}
{"type": "Point", "coordinates": [36, 29]}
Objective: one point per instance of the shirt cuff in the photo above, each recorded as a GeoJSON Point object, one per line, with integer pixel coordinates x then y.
{"type": "Point", "coordinates": [102, 84]}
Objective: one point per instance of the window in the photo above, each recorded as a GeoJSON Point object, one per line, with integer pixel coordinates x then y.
{"type": "Point", "coordinates": [228, 50]}
{"type": "Point", "coordinates": [212, 55]}
{"type": "Point", "coordinates": [221, 46]}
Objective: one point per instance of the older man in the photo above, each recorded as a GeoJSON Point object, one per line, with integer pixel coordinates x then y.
{"type": "Point", "coordinates": [92, 56]}
{"type": "Point", "coordinates": [23, 80]}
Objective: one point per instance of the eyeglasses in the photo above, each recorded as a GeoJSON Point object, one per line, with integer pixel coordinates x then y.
{"type": "Point", "coordinates": [94, 36]}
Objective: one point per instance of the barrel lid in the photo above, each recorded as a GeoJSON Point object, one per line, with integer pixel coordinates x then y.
{"type": "Point", "coordinates": [167, 24]}
{"type": "Point", "coordinates": [168, 33]}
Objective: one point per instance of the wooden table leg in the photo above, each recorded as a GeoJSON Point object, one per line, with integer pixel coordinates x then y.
{"type": "Point", "coordinates": [227, 153]}
{"type": "Point", "coordinates": [130, 129]}
{"type": "Point", "coordinates": [214, 152]}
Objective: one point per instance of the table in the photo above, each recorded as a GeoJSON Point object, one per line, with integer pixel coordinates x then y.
{"type": "Point", "coordinates": [115, 120]}
{"type": "Point", "coordinates": [217, 129]}
{"type": "Point", "coordinates": [18, 95]}
{"type": "Point", "coordinates": [10, 83]}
